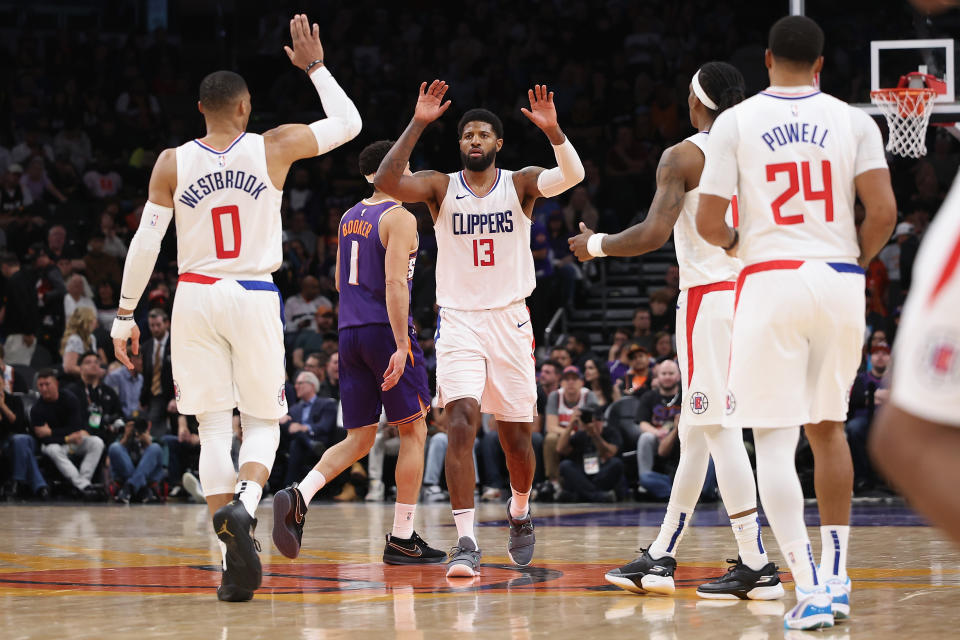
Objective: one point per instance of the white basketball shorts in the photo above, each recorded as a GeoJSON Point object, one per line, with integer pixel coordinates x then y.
{"type": "Point", "coordinates": [227, 347]}
{"type": "Point", "coordinates": [796, 344]}
{"type": "Point", "coordinates": [926, 354]}
{"type": "Point", "coordinates": [487, 355]}
{"type": "Point", "coordinates": [704, 323]}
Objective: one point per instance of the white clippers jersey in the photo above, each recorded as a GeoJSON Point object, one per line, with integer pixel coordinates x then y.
{"type": "Point", "coordinates": [700, 262]}
{"type": "Point", "coordinates": [227, 211]}
{"type": "Point", "coordinates": [791, 154]}
{"type": "Point", "coordinates": [483, 247]}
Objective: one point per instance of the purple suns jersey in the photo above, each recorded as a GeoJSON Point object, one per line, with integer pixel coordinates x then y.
{"type": "Point", "coordinates": [363, 287]}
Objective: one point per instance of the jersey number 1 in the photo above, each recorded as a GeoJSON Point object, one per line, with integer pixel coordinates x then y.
{"type": "Point", "coordinates": [218, 212]}
{"type": "Point", "coordinates": [793, 188]}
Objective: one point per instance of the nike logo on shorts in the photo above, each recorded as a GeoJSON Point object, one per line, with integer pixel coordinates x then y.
{"type": "Point", "coordinates": [520, 324]}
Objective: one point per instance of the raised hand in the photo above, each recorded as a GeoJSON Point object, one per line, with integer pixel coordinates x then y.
{"type": "Point", "coordinates": [578, 243]}
{"type": "Point", "coordinates": [430, 104]}
{"type": "Point", "coordinates": [306, 42]}
{"type": "Point", "coordinates": [542, 111]}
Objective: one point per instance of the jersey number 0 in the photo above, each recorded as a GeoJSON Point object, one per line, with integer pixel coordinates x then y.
{"type": "Point", "coordinates": [218, 213]}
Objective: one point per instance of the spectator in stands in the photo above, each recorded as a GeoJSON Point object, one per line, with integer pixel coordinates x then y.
{"type": "Point", "coordinates": [663, 345]}
{"type": "Point", "coordinates": [58, 424]}
{"type": "Point", "coordinates": [106, 301]}
{"type": "Point", "coordinates": [908, 244]}
{"type": "Point", "coordinates": [102, 181]}
{"type": "Point", "coordinates": [312, 340]}
{"type": "Point", "coordinates": [597, 379]}
{"type": "Point", "coordinates": [561, 355]}
{"type": "Point", "coordinates": [642, 334]}
{"type": "Point", "coordinates": [662, 314]}
{"type": "Point", "coordinates": [78, 339]}
{"type": "Point", "coordinates": [99, 403]}
{"type": "Point", "coordinates": [310, 427]}
{"type": "Point", "coordinates": [128, 384]}
{"type": "Point", "coordinates": [113, 244]}
{"type": "Point", "coordinates": [300, 310]}
{"type": "Point", "coordinates": [100, 265]}
{"type": "Point", "coordinates": [183, 451]}
{"type": "Point", "coordinates": [157, 392]}
{"type": "Point", "coordinates": [330, 388]}
{"type": "Point", "coordinates": [866, 396]}
{"type": "Point", "coordinates": [13, 197]}
{"type": "Point", "coordinates": [591, 469]}
{"type": "Point", "coordinates": [21, 314]}
{"type": "Point", "coordinates": [19, 448]}
{"type": "Point", "coordinates": [561, 405]}
{"type": "Point", "coordinates": [637, 380]}
{"type": "Point", "coordinates": [659, 413]}
{"type": "Point", "coordinates": [580, 209]}
{"type": "Point", "coordinates": [136, 463]}
{"type": "Point", "coordinates": [74, 142]}
{"type": "Point", "coordinates": [578, 344]}
{"type": "Point", "coordinates": [76, 296]}
{"type": "Point", "coordinates": [36, 184]}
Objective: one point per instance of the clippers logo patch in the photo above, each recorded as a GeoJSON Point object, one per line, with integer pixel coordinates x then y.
{"type": "Point", "coordinates": [282, 396]}
{"type": "Point", "coordinates": [941, 359]}
{"type": "Point", "coordinates": [176, 390]}
{"type": "Point", "coordinates": [699, 403]}
{"type": "Point", "coordinates": [731, 403]}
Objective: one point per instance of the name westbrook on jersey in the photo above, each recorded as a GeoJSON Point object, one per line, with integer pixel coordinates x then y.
{"type": "Point", "coordinates": [228, 179]}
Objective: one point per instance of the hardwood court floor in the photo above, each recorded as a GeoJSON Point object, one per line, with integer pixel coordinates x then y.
{"type": "Point", "coordinates": [105, 571]}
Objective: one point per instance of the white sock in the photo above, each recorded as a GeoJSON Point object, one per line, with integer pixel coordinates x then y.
{"type": "Point", "coordinates": [675, 522]}
{"type": "Point", "coordinates": [833, 553]}
{"type": "Point", "coordinates": [223, 553]}
{"type": "Point", "coordinates": [746, 529]}
{"type": "Point", "coordinates": [403, 515]}
{"type": "Point", "coordinates": [311, 484]}
{"type": "Point", "coordinates": [519, 506]}
{"type": "Point", "coordinates": [800, 560]}
{"type": "Point", "coordinates": [249, 492]}
{"type": "Point", "coordinates": [464, 521]}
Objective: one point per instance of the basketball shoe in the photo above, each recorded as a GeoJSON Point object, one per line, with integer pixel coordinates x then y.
{"type": "Point", "coordinates": [412, 550]}
{"type": "Point", "coordinates": [645, 575]}
{"type": "Point", "coordinates": [242, 572]}
{"type": "Point", "coordinates": [840, 594]}
{"type": "Point", "coordinates": [464, 559]}
{"type": "Point", "coordinates": [742, 582]}
{"type": "Point", "coordinates": [812, 610]}
{"type": "Point", "coordinates": [522, 539]}
{"type": "Point", "coordinates": [289, 513]}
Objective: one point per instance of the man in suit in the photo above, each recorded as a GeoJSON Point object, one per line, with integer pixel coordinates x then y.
{"type": "Point", "coordinates": [157, 393]}
{"type": "Point", "coordinates": [310, 427]}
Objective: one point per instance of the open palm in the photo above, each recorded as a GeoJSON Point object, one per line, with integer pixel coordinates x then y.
{"type": "Point", "coordinates": [542, 111]}
{"type": "Point", "coordinates": [430, 104]}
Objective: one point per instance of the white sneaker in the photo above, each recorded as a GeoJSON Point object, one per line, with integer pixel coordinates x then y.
{"type": "Point", "coordinates": [490, 494]}
{"type": "Point", "coordinates": [192, 486]}
{"type": "Point", "coordinates": [813, 610]}
{"type": "Point", "coordinates": [376, 491]}
{"type": "Point", "coordinates": [839, 591]}
{"type": "Point", "coordinates": [432, 493]}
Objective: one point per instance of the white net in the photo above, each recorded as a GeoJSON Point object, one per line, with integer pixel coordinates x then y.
{"type": "Point", "coordinates": [907, 112]}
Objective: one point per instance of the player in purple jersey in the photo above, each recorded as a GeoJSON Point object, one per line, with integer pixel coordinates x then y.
{"type": "Point", "coordinates": [381, 364]}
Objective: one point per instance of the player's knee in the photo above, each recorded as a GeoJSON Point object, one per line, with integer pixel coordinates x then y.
{"type": "Point", "coordinates": [414, 433]}
{"type": "Point", "coordinates": [260, 440]}
{"type": "Point", "coordinates": [216, 426]}
{"type": "Point", "coordinates": [362, 438]}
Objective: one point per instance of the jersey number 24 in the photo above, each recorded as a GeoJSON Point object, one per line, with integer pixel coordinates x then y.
{"type": "Point", "coordinates": [793, 188]}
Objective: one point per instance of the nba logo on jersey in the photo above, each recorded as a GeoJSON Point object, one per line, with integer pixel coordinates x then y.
{"type": "Point", "coordinates": [221, 162]}
{"type": "Point", "coordinates": [795, 110]}
{"type": "Point", "coordinates": [699, 403]}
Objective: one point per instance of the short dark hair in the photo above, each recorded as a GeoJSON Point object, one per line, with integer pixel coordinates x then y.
{"type": "Point", "coordinates": [372, 155]}
{"type": "Point", "coordinates": [46, 373]}
{"type": "Point", "coordinates": [552, 363]}
{"type": "Point", "coordinates": [86, 355]}
{"type": "Point", "coordinates": [220, 89]}
{"type": "Point", "coordinates": [796, 39]}
{"type": "Point", "coordinates": [723, 83]}
{"type": "Point", "coordinates": [481, 115]}
{"type": "Point", "coordinates": [9, 259]}
{"type": "Point", "coordinates": [319, 355]}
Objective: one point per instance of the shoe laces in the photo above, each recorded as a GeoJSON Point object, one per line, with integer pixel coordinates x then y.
{"type": "Point", "coordinates": [256, 545]}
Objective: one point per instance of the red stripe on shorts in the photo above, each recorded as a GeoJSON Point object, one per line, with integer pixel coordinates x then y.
{"type": "Point", "coordinates": [197, 278]}
{"type": "Point", "coordinates": [694, 298]}
{"type": "Point", "coordinates": [770, 265]}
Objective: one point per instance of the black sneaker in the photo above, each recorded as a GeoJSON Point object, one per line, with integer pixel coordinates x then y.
{"type": "Point", "coordinates": [743, 583]}
{"type": "Point", "coordinates": [289, 512]}
{"type": "Point", "coordinates": [234, 527]}
{"type": "Point", "coordinates": [645, 575]}
{"type": "Point", "coordinates": [229, 591]}
{"type": "Point", "coordinates": [412, 550]}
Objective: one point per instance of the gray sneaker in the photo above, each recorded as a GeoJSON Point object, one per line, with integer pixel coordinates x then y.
{"type": "Point", "coordinates": [522, 539]}
{"type": "Point", "coordinates": [464, 559]}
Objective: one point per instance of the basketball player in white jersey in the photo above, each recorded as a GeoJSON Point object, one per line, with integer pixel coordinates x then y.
{"type": "Point", "coordinates": [797, 158]}
{"type": "Point", "coordinates": [485, 271]}
{"type": "Point", "coordinates": [224, 190]}
{"type": "Point", "coordinates": [704, 319]}
{"type": "Point", "coordinates": [916, 440]}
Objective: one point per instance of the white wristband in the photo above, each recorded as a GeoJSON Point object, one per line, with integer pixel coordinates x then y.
{"type": "Point", "coordinates": [595, 245]}
{"type": "Point", "coordinates": [122, 329]}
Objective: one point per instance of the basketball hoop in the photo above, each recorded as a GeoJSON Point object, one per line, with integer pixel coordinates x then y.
{"type": "Point", "coordinates": [907, 110]}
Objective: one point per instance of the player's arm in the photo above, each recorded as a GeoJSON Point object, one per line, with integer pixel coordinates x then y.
{"type": "Point", "coordinates": [536, 182]}
{"type": "Point", "coordinates": [873, 187]}
{"type": "Point", "coordinates": [677, 164]}
{"type": "Point", "coordinates": [718, 183]}
{"type": "Point", "coordinates": [398, 233]}
{"type": "Point", "coordinates": [291, 142]}
{"type": "Point", "coordinates": [423, 186]}
{"type": "Point", "coordinates": [143, 251]}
